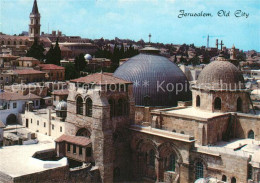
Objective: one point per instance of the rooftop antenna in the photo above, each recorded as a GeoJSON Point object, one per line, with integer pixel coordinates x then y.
{"type": "Point", "coordinates": [150, 38]}
{"type": "Point", "coordinates": [208, 41]}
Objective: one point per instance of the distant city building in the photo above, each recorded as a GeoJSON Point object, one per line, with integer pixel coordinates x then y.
{"type": "Point", "coordinates": [54, 72]}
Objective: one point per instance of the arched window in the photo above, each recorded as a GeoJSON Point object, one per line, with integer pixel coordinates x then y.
{"type": "Point", "coordinates": [120, 107]}
{"type": "Point", "coordinates": [182, 132]}
{"type": "Point", "coordinates": [172, 163]}
{"type": "Point", "coordinates": [198, 170]}
{"type": "Point", "coordinates": [197, 101]}
{"type": "Point", "coordinates": [89, 107]}
{"type": "Point", "coordinates": [79, 106]}
{"type": "Point", "coordinates": [233, 180]}
{"type": "Point", "coordinates": [249, 172]}
{"type": "Point", "coordinates": [251, 134]}
{"type": "Point", "coordinates": [239, 104]}
{"type": "Point", "coordinates": [151, 157]}
{"type": "Point", "coordinates": [173, 130]}
{"type": "Point", "coordinates": [217, 104]}
{"type": "Point", "coordinates": [224, 178]}
{"type": "Point", "coordinates": [112, 107]}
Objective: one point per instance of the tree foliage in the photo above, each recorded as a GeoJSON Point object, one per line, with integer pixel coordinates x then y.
{"type": "Point", "coordinates": [36, 51]}
{"type": "Point", "coordinates": [53, 56]}
{"type": "Point", "coordinates": [70, 72]}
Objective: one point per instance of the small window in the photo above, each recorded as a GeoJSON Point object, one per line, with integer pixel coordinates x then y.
{"type": "Point", "coordinates": [74, 149]}
{"type": "Point", "coordinates": [88, 152]}
{"type": "Point", "coordinates": [68, 147]}
{"type": "Point", "coordinates": [80, 150]}
{"type": "Point", "coordinates": [52, 126]}
{"type": "Point", "coordinates": [199, 170]}
{"type": "Point", "coordinates": [224, 178]}
{"type": "Point", "coordinates": [233, 180]}
{"type": "Point", "coordinates": [38, 122]}
{"type": "Point", "coordinates": [15, 105]}
{"type": "Point", "coordinates": [172, 163]}
{"type": "Point", "coordinates": [217, 104]}
{"type": "Point", "coordinates": [60, 129]}
{"type": "Point", "coordinates": [37, 102]}
{"type": "Point", "coordinates": [239, 104]}
{"type": "Point", "coordinates": [44, 124]}
{"type": "Point", "coordinates": [31, 120]}
{"type": "Point", "coordinates": [198, 101]}
{"type": "Point", "coordinates": [89, 107]}
{"type": "Point", "coordinates": [249, 172]}
{"type": "Point", "coordinates": [182, 132]}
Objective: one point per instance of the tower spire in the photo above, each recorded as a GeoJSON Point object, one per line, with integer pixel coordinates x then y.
{"type": "Point", "coordinates": [35, 8]}
{"type": "Point", "coordinates": [34, 25]}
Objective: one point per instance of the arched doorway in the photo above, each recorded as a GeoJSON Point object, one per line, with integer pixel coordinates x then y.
{"type": "Point", "coordinates": [170, 160]}
{"type": "Point", "coordinates": [83, 132]}
{"type": "Point", "coordinates": [251, 134]}
{"type": "Point", "coordinates": [146, 158]}
{"type": "Point", "coordinates": [11, 119]}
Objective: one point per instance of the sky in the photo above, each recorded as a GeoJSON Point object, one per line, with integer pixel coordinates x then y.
{"type": "Point", "coordinates": [135, 19]}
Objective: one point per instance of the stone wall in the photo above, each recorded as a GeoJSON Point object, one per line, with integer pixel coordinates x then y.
{"type": "Point", "coordinates": [245, 123]}
{"type": "Point", "coordinates": [217, 164]}
{"type": "Point", "coordinates": [228, 100]}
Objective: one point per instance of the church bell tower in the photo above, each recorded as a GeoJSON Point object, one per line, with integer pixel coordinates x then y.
{"type": "Point", "coordinates": [34, 26]}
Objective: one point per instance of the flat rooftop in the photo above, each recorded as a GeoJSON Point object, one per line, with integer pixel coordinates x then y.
{"type": "Point", "coordinates": [16, 161]}
{"type": "Point", "coordinates": [193, 112]}
{"type": "Point", "coordinates": [238, 147]}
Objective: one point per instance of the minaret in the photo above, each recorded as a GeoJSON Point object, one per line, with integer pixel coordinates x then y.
{"type": "Point", "coordinates": [34, 26]}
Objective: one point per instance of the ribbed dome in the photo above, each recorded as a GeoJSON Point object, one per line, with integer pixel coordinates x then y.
{"type": "Point", "coordinates": [62, 106]}
{"type": "Point", "coordinates": [220, 75]}
{"type": "Point", "coordinates": [147, 72]}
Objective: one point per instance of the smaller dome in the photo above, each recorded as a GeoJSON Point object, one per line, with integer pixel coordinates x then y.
{"type": "Point", "coordinates": [220, 74]}
{"type": "Point", "coordinates": [88, 57]}
{"type": "Point", "coordinates": [62, 106]}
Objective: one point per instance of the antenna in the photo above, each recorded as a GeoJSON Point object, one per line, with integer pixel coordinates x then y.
{"type": "Point", "coordinates": [150, 38]}
{"type": "Point", "coordinates": [208, 42]}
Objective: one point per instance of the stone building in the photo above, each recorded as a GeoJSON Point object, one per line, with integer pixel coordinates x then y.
{"type": "Point", "coordinates": [54, 72]}
{"type": "Point", "coordinates": [101, 107]}
{"type": "Point", "coordinates": [12, 104]}
{"type": "Point", "coordinates": [217, 136]}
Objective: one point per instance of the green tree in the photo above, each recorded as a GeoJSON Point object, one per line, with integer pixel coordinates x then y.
{"type": "Point", "coordinates": [53, 56]}
{"type": "Point", "coordinates": [57, 53]}
{"type": "Point", "coordinates": [195, 61]}
{"type": "Point", "coordinates": [50, 56]}
{"type": "Point", "coordinates": [70, 72]}
{"type": "Point", "coordinates": [36, 51]}
{"type": "Point", "coordinates": [80, 63]}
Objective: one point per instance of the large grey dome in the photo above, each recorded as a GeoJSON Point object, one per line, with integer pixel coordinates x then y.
{"type": "Point", "coordinates": [150, 71]}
